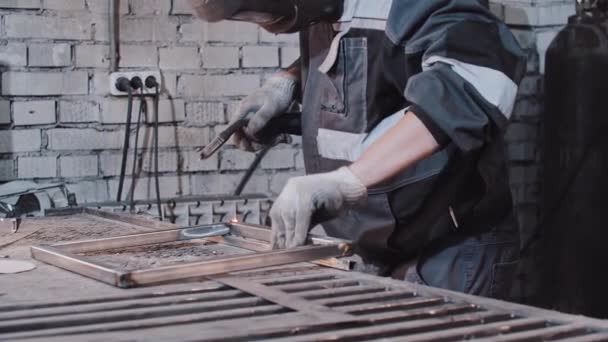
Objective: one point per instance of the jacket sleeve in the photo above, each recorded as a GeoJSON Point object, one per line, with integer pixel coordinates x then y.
{"type": "Point", "coordinates": [469, 82]}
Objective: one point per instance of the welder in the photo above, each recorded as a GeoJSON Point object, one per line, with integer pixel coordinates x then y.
{"type": "Point", "coordinates": [404, 108]}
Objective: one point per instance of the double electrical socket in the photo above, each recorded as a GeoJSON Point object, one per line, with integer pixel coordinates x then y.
{"type": "Point", "coordinates": [143, 75]}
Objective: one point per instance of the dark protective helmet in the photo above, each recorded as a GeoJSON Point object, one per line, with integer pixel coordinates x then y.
{"type": "Point", "coordinates": [278, 16]}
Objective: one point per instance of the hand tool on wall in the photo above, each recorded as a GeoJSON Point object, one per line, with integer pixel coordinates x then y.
{"type": "Point", "coordinates": [289, 123]}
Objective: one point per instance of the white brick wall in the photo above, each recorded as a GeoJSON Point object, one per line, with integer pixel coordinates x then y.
{"type": "Point", "coordinates": [58, 122]}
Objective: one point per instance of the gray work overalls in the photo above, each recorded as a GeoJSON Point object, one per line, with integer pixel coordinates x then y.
{"type": "Point", "coordinates": [390, 232]}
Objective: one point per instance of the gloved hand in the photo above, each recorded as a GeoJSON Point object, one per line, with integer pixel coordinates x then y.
{"type": "Point", "coordinates": [273, 99]}
{"type": "Point", "coordinates": [332, 193]}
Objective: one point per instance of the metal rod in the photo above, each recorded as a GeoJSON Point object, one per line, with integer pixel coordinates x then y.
{"type": "Point", "coordinates": [76, 264]}
{"type": "Point", "coordinates": [158, 301]}
{"type": "Point", "coordinates": [113, 27]}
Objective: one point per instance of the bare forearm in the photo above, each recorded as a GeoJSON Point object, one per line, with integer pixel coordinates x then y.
{"type": "Point", "coordinates": [401, 147]}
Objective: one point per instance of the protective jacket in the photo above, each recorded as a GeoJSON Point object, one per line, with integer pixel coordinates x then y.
{"type": "Point", "coordinates": [457, 68]}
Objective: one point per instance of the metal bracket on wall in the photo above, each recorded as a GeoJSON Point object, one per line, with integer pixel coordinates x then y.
{"type": "Point", "coordinates": [255, 238]}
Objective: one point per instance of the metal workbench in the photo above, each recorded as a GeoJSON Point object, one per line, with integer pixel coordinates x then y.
{"type": "Point", "coordinates": [301, 302]}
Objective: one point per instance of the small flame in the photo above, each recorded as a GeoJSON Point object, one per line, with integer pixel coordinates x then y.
{"type": "Point", "coordinates": [234, 220]}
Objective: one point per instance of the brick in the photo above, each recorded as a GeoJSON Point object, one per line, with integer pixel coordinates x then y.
{"type": "Point", "coordinates": [290, 39]}
{"type": "Point", "coordinates": [78, 111]}
{"type": "Point", "coordinates": [193, 31]}
{"type": "Point", "coordinates": [36, 167]}
{"type": "Point", "coordinates": [217, 86]}
{"type": "Point", "coordinates": [50, 55]}
{"type": "Point", "coordinates": [7, 170]}
{"type": "Point", "coordinates": [260, 57]}
{"type": "Point", "coordinates": [218, 57]}
{"type": "Point", "coordinates": [102, 6]}
{"type": "Point", "coordinates": [26, 4]}
{"type": "Point", "coordinates": [41, 83]}
{"type": "Point", "coordinates": [16, 141]}
{"type": "Point", "coordinates": [71, 139]}
{"type": "Point", "coordinates": [154, 29]}
{"type": "Point", "coordinates": [289, 55]}
{"type": "Point", "coordinates": [33, 113]}
{"type": "Point", "coordinates": [5, 112]}
{"type": "Point", "coordinates": [150, 7]}
{"type": "Point", "coordinates": [177, 137]}
{"type": "Point", "coordinates": [115, 111]}
{"type": "Point", "coordinates": [553, 14]}
{"type": "Point", "coordinates": [63, 5]}
{"type": "Point", "coordinates": [169, 83]}
{"type": "Point", "coordinates": [173, 110]}
{"type": "Point", "coordinates": [205, 113]}
{"type": "Point", "coordinates": [279, 159]}
{"type": "Point", "coordinates": [182, 7]}
{"type": "Point", "coordinates": [78, 166]}
{"type": "Point", "coordinates": [137, 56]}
{"type": "Point", "coordinates": [170, 187]}
{"type": "Point", "coordinates": [231, 32]}
{"type": "Point", "coordinates": [220, 184]}
{"type": "Point", "coordinates": [29, 26]}
{"type": "Point", "coordinates": [92, 56]}
{"type": "Point", "coordinates": [236, 160]}
{"type": "Point", "coordinates": [101, 83]}
{"type": "Point", "coordinates": [179, 58]}
{"type": "Point", "coordinates": [109, 164]}
{"type": "Point", "coordinates": [194, 163]}
{"type": "Point", "coordinates": [167, 162]}
{"type": "Point", "coordinates": [13, 55]}
{"type": "Point", "coordinates": [90, 191]}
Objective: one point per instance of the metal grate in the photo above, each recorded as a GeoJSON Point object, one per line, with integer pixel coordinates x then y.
{"type": "Point", "coordinates": [297, 303]}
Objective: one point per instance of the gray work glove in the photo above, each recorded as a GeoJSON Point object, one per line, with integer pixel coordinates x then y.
{"type": "Point", "coordinates": [332, 193]}
{"type": "Point", "coordinates": [272, 100]}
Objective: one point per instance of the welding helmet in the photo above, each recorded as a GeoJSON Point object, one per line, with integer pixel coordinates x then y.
{"type": "Point", "coordinates": [276, 16]}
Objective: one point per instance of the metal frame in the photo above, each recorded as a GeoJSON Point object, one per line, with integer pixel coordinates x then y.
{"type": "Point", "coordinates": [245, 236]}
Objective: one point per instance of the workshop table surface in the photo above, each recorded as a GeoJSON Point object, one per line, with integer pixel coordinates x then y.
{"type": "Point", "coordinates": [297, 302]}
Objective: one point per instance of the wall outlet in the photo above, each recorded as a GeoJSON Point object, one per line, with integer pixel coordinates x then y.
{"type": "Point", "coordinates": [130, 75]}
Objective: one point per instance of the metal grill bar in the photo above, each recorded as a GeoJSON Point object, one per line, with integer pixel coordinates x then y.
{"type": "Point", "coordinates": [418, 313]}
{"type": "Point", "coordinates": [227, 315]}
{"type": "Point", "coordinates": [209, 287]}
{"type": "Point", "coordinates": [361, 299]}
{"type": "Point", "coordinates": [123, 304]}
{"type": "Point", "coordinates": [318, 285]}
{"type": "Point", "coordinates": [339, 292]}
{"type": "Point", "coordinates": [546, 334]}
{"type": "Point", "coordinates": [384, 306]}
{"type": "Point", "coordinates": [596, 337]}
{"type": "Point", "coordinates": [458, 334]}
{"type": "Point", "coordinates": [103, 317]}
{"type": "Point", "coordinates": [297, 279]}
{"type": "Point", "coordinates": [396, 329]}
